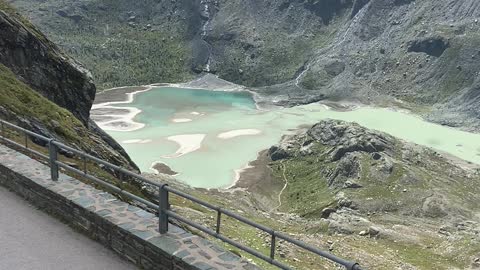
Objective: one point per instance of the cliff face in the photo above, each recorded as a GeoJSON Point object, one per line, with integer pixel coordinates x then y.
{"type": "Point", "coordinates": [48, 92]}
{"type": "Point", "coordinates": [420, 52]}
{"type": "Point", "coordinates": [39, 63]}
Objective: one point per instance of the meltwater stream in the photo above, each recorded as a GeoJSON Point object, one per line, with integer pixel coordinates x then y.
{"type": "Point", "coordinates": [206, 136]}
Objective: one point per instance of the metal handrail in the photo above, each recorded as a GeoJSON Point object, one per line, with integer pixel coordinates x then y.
{"type": "Point", "coordinates": [163, 206]}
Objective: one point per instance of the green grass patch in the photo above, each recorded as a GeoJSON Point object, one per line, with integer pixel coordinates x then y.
{"type": "Point", "coordinates": [118, 53]}
{"type": "Point", "coordinates": [307, 192]}
{"type": "Point", "coordinates": [19, 98]}
{"type": "Point", "coordinates": [129, 56]}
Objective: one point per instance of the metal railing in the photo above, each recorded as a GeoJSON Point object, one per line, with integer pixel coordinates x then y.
{"type": "Point", "coordinates": [163, 206]}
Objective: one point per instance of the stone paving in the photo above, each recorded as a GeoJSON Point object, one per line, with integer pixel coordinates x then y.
{"type": "Point", "coordinates": [178, 243]}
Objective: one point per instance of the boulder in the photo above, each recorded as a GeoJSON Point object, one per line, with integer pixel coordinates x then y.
{"type": "Point", "coordinates": [327, 212]}
{"type": "Point", "coordinates": [66, 14]}
{"type": "Point", "coordinates": [278, 153]}
{"type": "Point", "coordinates": [335, 68]}
{"type": "Point", "coordinates": [373, 231]}
{"type": "Point", "coordinates": [62, 13]}
{"type": "Point", "coordinates": [347, 168]}
{"type": "Point", "coordinates": [434, 46]}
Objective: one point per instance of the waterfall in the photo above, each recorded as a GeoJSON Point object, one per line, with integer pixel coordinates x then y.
{"type": "Point", "coordinates": [206, 11]}
{"type": "Point", "coordinates": [300, 76]}
{"type": "Point", "coordinates": [207, 66]}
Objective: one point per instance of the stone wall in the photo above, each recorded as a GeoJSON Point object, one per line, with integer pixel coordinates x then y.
{"type": "Point", "coordinates": [128, 230]}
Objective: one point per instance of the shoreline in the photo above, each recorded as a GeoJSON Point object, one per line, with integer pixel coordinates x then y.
{"type": "Point", "coordinates": [159, 168]}
{"type": "Point", "coordinates": [126, 118]}
{"type": "Point", "coordinates": [239, 172]}
{"type": "Point", "coordinates": [181, 120]}
{"type": "Point", "coordinates": [231, 87]}
{"type": "Point", "coordinates": [231, 134]}
{"type": "Point", "coordinates": [188, 143]}
{"type": "Point", "coordinates": [255, 177]}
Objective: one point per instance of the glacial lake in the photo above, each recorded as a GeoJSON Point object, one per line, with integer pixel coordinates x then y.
{"type": "Point", "coordinates": [221, 132]}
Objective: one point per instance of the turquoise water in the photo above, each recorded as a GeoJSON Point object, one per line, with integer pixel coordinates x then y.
{"type": "Point", "coordinates": [211, 113]}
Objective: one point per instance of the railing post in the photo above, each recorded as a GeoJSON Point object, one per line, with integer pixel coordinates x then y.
{"type": "Point", "coordinates": [272, 246]}
{"type": "Point", "coordinates": [26, 140]}
{"type": "Point", "coordinates": [3, 129]}
{"type": "Point", "coordinates": [353, 266]}
{"type": "Point", "coordinates": [84, 165]}
{"type": "Point", "coordinates": [219, 220]}
{"type": "Point", "coordinates": [53, 155]}
{"type": "Point", "coordinates": [163, 206]}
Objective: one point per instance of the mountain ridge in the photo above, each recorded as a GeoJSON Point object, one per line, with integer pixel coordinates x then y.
{"type": "Point", "coordinates": [421, 55]}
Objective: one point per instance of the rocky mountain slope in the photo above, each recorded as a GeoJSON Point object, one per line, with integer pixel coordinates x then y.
{"type": "Point", "coordinates": [47, 92]}
{"type": "Point", "coordinates": [415, 209]}
{"type": "Point", "coordinates": [419, 54]}
{"type": "Point", "coordinates": [121, 42]}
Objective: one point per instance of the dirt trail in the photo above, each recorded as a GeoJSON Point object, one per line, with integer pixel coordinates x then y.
{"type": "Point", "coordinates": [283, 189]}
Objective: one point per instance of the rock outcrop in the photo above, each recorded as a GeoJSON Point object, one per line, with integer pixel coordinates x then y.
{"type": "Point", "coordinates": [40, 64]}
{"type": "Point", "coordinates": [45, 69]}
{"type": "Point", "coordinates": [342, 178]}
{"type": "Point", "coordinates": [399, 177]}
{"type": "Point", "coordinates": [434, 46]}
{"type": "Point", "coordinates": [349, 137]}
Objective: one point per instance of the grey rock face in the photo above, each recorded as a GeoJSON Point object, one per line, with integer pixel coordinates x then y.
{"type": "Point", "coordinates": [335, 68]}
{"type": "Point", "coordinates": [349, 137]}
{"type": "Point", "coordinates": [344, 139]}
{"type": "Point", "coordinates": [357, 6]}
{"type": "Point", "coordinates": [461, 111]}
{"type": "Point", "coordinates": [434, 46]}
{"type": "Point", "coordinates": [278, 153]}
{"type": "Point", "coordinates": [347, 168]}
{"type": "Point", "coordinates": [43, 67]}
{"type": "Point", "coordinates": [346, 146]}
